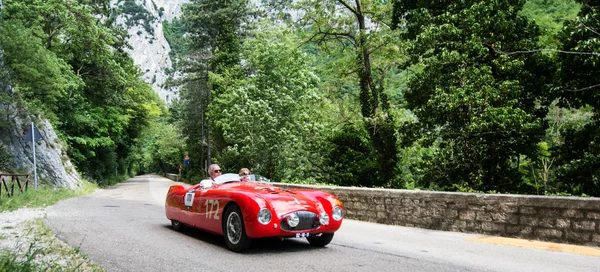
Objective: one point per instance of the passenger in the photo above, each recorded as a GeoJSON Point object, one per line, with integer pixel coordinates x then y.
{"type": "Point", "coordinates": [244, 174]}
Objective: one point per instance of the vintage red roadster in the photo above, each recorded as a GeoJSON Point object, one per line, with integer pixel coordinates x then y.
{"type": "Point", "coordinates": [245, 210]}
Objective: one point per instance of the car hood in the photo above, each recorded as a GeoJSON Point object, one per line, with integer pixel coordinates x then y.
{"type": "Point", "coordinates": [285, 201]}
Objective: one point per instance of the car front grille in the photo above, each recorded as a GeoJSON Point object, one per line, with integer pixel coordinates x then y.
{"type": "Point", "coordinates": [308, 221]}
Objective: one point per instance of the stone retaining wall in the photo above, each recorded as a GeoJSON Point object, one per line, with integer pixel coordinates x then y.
{"type": "Point", "coordinates": [561, 219]}
{"type": "Point", "coordinates": [174, 177]}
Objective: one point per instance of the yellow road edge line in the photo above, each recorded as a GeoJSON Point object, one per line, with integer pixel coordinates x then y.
{"type": "Point", "coordinates": [581, 250]}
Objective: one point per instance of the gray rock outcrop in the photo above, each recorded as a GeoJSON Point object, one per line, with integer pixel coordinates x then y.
{"type": "Point", "coordinates": [53, 165]}
{"type": "Point", "coordinates": [150, 51]}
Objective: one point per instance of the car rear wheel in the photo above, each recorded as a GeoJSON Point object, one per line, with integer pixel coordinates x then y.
{"type": "Point", "coordinates": [176, 225]}
{"type": "Point", "coordinates": [234, 230]}
{"type": "Point", "coordinates": [320, 241]}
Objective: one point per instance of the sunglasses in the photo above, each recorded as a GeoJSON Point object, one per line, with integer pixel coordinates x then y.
{"type": "Point", "coordinates": [218, 171]}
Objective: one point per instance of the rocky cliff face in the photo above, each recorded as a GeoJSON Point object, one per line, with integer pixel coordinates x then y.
{"type": "Point", "coordinates": [53, 165]}
{"type": "Point", "coordinates": [149, 48]}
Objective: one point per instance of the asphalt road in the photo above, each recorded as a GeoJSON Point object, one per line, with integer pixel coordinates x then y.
{"type": "Point", "coordinates": [124, 228]}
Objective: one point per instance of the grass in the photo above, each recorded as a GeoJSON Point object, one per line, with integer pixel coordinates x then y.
{"type": "Point", "coordinates": [42, 197]}
{"type": "Point", "coordinates": [37, 248]}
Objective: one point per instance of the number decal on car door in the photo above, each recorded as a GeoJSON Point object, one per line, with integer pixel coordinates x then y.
{"type": "Point", "coordinates": [189, 199]}
{"type": "Point", "coordinates": [214, 208]}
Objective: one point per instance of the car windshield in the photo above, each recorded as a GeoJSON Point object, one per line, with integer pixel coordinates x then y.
{"type": "Point", "coordinates": [229, 177]}
{"type": "Point", "coordinates": [258, 178]}
{"type": "Point", "coordinates": [232, 177]}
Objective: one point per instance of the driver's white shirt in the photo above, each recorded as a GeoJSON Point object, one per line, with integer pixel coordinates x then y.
{"type": "Point", "coordinates": [207, 183]}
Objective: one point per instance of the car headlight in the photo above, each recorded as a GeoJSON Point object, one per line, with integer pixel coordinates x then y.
{"type": "Point", "coordinates": [293, 220]}
{"type": "Point", "coordinates": [337, 213]}
{"type": "Point", "coordinates": [324, 219]}
{"type": "Point", "coordinates": [264, 216]}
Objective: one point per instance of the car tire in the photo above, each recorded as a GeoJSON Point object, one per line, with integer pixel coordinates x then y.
{"type": "Point", "coordinates": [176, 225]}
{"type": "Point", "coordinates": [320, 241]}
{"type": "Point", "coordinates": [234, 230]}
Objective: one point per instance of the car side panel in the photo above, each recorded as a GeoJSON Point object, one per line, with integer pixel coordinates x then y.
{"type": "Point", "coordinates": [216, 201]}
{"type": "Point", "coordinates": [209, 210]}
{"type": "Point", "coordinates": [174, 202]}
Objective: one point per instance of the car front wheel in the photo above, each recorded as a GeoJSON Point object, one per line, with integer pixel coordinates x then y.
{"type": "Point", "coordinates": [234, 231]}
{"type": "Point", "coordinates": [320, 241]}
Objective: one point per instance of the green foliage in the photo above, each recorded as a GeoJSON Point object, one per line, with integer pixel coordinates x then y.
{"type": "Point", "coordinates": [102, 127]}
{"type": "Point", "coordinates": [257, 99]}
{"type": "Point", "coordinates": [42, 197]}
{"type": "Point", "coordinates": [579, 161]}
{"type": "Point", "coordinates": [578, 158]}
{"type": "Point", "coordinates": [136, 13]}
{"type": "Point", "coordinates": [165, 149]}
{"type": "Point", "coordinates": [71, 67]}
{"type": "Point", "coordinates": [175, 35]}
{"type": "Point", "coordinates": [540, 173]}
{"type": "Point", "coordinates": [353, 159]}
{"type": "Point", "coordinates": [41, 77]}
{"type": "Point", "coordinates": [480, 103]}
{"type": "Point", "coordinates": [10, 261]}
{"type": "Point", "coordinates": [5, 158]}
{"type": "Point", "coordinates": [214, 44]}
{"type": "Point", "coordinates": [550, 16]}
{"type": "Point", "coordinates": [361, 30]}
{"type": "Point", "coordinates": [414, 163]}
{"type": "Point", "coordinates": [270, 118]}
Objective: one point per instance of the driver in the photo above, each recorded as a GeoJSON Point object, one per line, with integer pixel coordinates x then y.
{"type": "Point", "coordinates": [214, 170]}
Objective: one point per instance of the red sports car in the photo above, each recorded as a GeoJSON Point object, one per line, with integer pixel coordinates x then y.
{"type": "Point", "coordinates": [241, 211]}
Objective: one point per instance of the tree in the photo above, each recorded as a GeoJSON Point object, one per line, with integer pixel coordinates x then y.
{"type": "Point", "coordinates": [579, 157]}
{"type": "Point", "coordinates": [163, 148]}
{"type": "Point", "coordinates": [40, 77]}
{"type": "Point", "coordinates": [68, 62]}
{"type": "Point", "coordinates": [550, 17]}
{"type": "Point", "coordinates": [213, 49]}
{"type": "Point", "coordinates": [480, 104]}
{"type": "Point", "coordinates": [272, 115]}
{"type": "Point", "coordinates": [363, 26]}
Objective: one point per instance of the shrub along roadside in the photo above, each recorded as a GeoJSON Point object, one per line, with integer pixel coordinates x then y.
{"type": "Point", "coordinates": [27, 244]}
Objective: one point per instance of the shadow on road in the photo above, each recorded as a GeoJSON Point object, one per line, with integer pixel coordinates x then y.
{"type": "Point", "coordinates": [259, 246]}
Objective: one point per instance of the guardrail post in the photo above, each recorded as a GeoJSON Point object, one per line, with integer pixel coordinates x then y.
{"type": "Point", "coordinates": [12, 186]}
{"type": "Point", "coordinates": [9, 185]}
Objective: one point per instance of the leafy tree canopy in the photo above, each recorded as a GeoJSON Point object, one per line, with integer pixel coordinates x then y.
{"type": "Point", "coordinates": [480, 102]}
